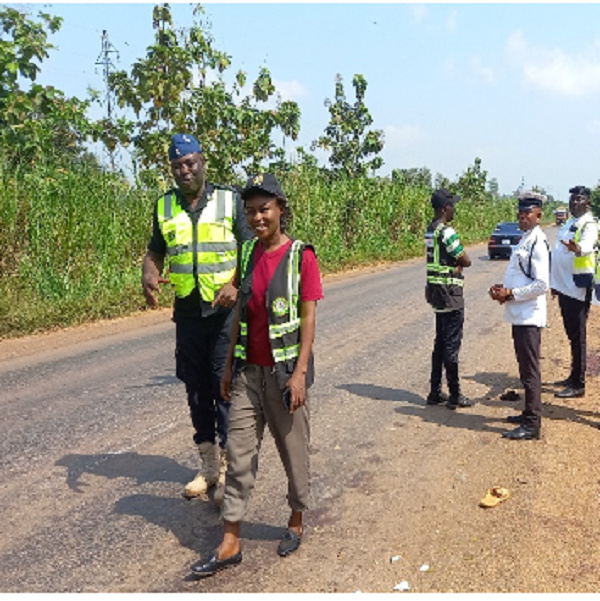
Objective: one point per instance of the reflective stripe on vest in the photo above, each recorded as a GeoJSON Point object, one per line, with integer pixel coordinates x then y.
{"type": "Point", "coordinates": [206, 257]}
{"type": "Point", "coordinates": [583, 266]}
{"type": "Point", "coordinates": [442, 275]}
{"type": "Point", "coordinates": [283, 335]}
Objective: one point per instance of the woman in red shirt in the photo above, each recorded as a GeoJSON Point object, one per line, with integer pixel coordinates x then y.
{"type": "Point", "coordinates": [272, 338]}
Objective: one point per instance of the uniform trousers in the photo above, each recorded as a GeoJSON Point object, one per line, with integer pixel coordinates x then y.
{"type": "Point", "coordinates": [256, 401]}
{"type": "Point", "coordinates": [201, 347]}
{"type": "Point", "coordinates": [448, 338]}
{"type": "Point", "coordinates": [527, 342]}
{"type": "Point", "coordinates": [575, 314]}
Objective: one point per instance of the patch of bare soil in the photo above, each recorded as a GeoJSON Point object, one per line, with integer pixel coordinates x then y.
{"type": "Point", "coordinates": [420, 512]}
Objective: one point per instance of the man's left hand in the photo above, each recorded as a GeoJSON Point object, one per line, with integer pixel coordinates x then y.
{"type": "Point", "coordinates": [226, 297]}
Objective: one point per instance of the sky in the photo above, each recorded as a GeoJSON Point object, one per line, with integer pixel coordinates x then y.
{"type": "Point", "coordinates": [517, 85]}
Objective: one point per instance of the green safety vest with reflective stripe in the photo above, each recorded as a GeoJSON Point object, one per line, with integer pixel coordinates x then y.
{"type": "Point", "coordinates": [283, 309]}
{"type": "Point", "coordinates": [204, 256]}
{"type": "Point", "coordinates": [583, 266]}
{"type": "Point", "coordinates": [444, 288]}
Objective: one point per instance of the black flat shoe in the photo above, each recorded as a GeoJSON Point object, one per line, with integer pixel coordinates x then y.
{"type": "Point", "coordinates": [522, 433]}
{"type": "Point", "coordinates": [212, 564]}
{"type": "Point", "coordinates": [570, 393]}
{"type": "Point", "coordinates": [435, 398]}
{"type": "Point", "coordinates": [289, 543]}
{"type": "Point", "coordinates": [461, 401]}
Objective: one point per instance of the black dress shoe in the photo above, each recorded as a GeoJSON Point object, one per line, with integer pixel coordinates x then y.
{"type": "Point", "coordinates": [212, 564]}
{"type": "Point", "coordinates": [570, 393]}
{"type": "Point", "coordinates": [435, 398]}
{"type": "Point", "coordinates": [515, 419]}
{"type": "Point", "coordinates": [523, 433]}
{"type": "Point", "coordinates": [460, 401]}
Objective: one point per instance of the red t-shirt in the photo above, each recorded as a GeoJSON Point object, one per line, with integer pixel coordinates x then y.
{"type": "Point", "coordinates": [265, 264]}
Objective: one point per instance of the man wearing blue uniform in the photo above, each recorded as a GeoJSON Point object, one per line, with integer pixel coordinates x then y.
{"type": "Point", "coordinates": [198, 227]}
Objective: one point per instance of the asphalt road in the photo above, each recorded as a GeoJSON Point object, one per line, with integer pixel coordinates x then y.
{"type": "Point", "coordinates": [96, 445]}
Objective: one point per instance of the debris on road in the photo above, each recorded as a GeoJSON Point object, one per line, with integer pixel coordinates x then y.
{"type": "Point", "coordinates": [395, 558]}
{"type": "Point", "coordinates": [402, 586]}
{"type": "Point", "coordinates": [494, 495]}
{"type": "Point", "coordinates": [424, 567]}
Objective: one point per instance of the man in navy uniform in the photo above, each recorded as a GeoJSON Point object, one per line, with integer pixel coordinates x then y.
{"type": "Point", "coordinates": [198, 228]}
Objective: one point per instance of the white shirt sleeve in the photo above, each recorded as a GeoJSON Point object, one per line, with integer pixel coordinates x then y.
{"type": "Point", "coordinates": [540, 273]}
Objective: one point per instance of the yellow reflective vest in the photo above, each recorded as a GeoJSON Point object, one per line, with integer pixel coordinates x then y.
{"type": "Point", "coordinates": [584, 265]}
{"type": "Point", "coordinates": [204, 255]}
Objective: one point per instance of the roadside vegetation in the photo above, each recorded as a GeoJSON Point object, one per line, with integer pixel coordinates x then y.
{"type": "Point", "coordinates": [73, 232]}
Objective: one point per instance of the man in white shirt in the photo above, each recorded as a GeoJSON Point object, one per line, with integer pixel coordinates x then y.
{"type": "Point", "coordinates": [523, 294]}
{"type": "Point", "coordinates": [571, 279]}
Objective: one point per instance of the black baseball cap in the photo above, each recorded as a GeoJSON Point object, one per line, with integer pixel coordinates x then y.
{"type": "Point", "coordinates": [440, 198]}
{"type": "Point", "coordinates": [263, 182]}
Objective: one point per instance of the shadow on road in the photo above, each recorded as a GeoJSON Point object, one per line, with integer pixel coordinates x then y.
{"type": "Point", "coordinates": [141, 468]}
{"type": "Point", "coordinates": [435, 414]}
{"type": "Point", "coordinates": [196, 524]}
{"type": "Point", "coordinates": [496, 383]}
{"type": "Point", "coordinates": [156, 381]}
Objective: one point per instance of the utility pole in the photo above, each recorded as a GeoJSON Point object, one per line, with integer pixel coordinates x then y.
{"type": "Point", "coordinates": [105, 61]}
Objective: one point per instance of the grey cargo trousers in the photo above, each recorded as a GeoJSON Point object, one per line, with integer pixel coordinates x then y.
{"type": "Point", "coordinates": [256, 401]}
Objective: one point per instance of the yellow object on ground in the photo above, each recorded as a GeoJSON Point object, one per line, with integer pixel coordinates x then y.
{"type": "Point", "coordinates": [494, 495]}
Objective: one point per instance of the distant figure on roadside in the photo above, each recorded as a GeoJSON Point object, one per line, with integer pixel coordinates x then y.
{"type": "Point", "coordinates": [523, 295]}
{"type": "Point", "coordinates": [272, 339]}
{"type": "Point", "coordinates": [197, 230]}
{"type": "Point", "coordinates": [572, 280]}
{"type": "Point", "coordinates": [446, 259]}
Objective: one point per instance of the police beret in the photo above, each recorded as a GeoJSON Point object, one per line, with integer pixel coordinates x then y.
{"type": "Point", "coordinates": [182, 144]}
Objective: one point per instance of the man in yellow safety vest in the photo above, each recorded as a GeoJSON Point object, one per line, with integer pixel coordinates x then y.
{"type": "Point", "coordinates": [572, 280]}
{"type": "Point", "coordinates": [197, 230]}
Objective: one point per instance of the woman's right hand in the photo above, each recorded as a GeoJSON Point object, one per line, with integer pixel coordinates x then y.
{"type": "Point", "coordinates": [226, 382]}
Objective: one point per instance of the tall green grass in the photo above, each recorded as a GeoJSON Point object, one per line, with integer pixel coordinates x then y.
{"type": "Point", "coordinates": [354, 221]}
{"type": "Point", "coordinates": [72, 241]}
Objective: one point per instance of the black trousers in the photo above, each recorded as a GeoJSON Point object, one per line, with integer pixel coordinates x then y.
{"type": "Point", "coordinates": [448, 337]}
{"type": "Point", "coordinates": [527, 341]}
{"type": "Point", "coordinates": [201, 347]}
{"type": "Point", "coordinates": [574, 315]}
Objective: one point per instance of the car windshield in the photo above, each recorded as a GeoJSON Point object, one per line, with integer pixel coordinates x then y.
{"type": "Point", "coordinates": [506, 228]}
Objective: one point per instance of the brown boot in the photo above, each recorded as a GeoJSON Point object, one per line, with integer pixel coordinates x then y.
{"type": "Point", "coordinates": [209, 471]}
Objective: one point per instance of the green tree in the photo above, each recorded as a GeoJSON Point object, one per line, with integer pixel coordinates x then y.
{"type": "Point", "coordinates": [472, 183]}
{"type": "Point", "coordinates": [494, 188]}
{"type": "Point", "coordinates": [415, 177]}
{"type": "Point", "coordinates": [179, 86]}
{"type": "Point", "coordinates": [353, 147]}
{"type": "Point", "coordinates": [37, 120]}
{"type": "Point", "coordinates": [595, 200]}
